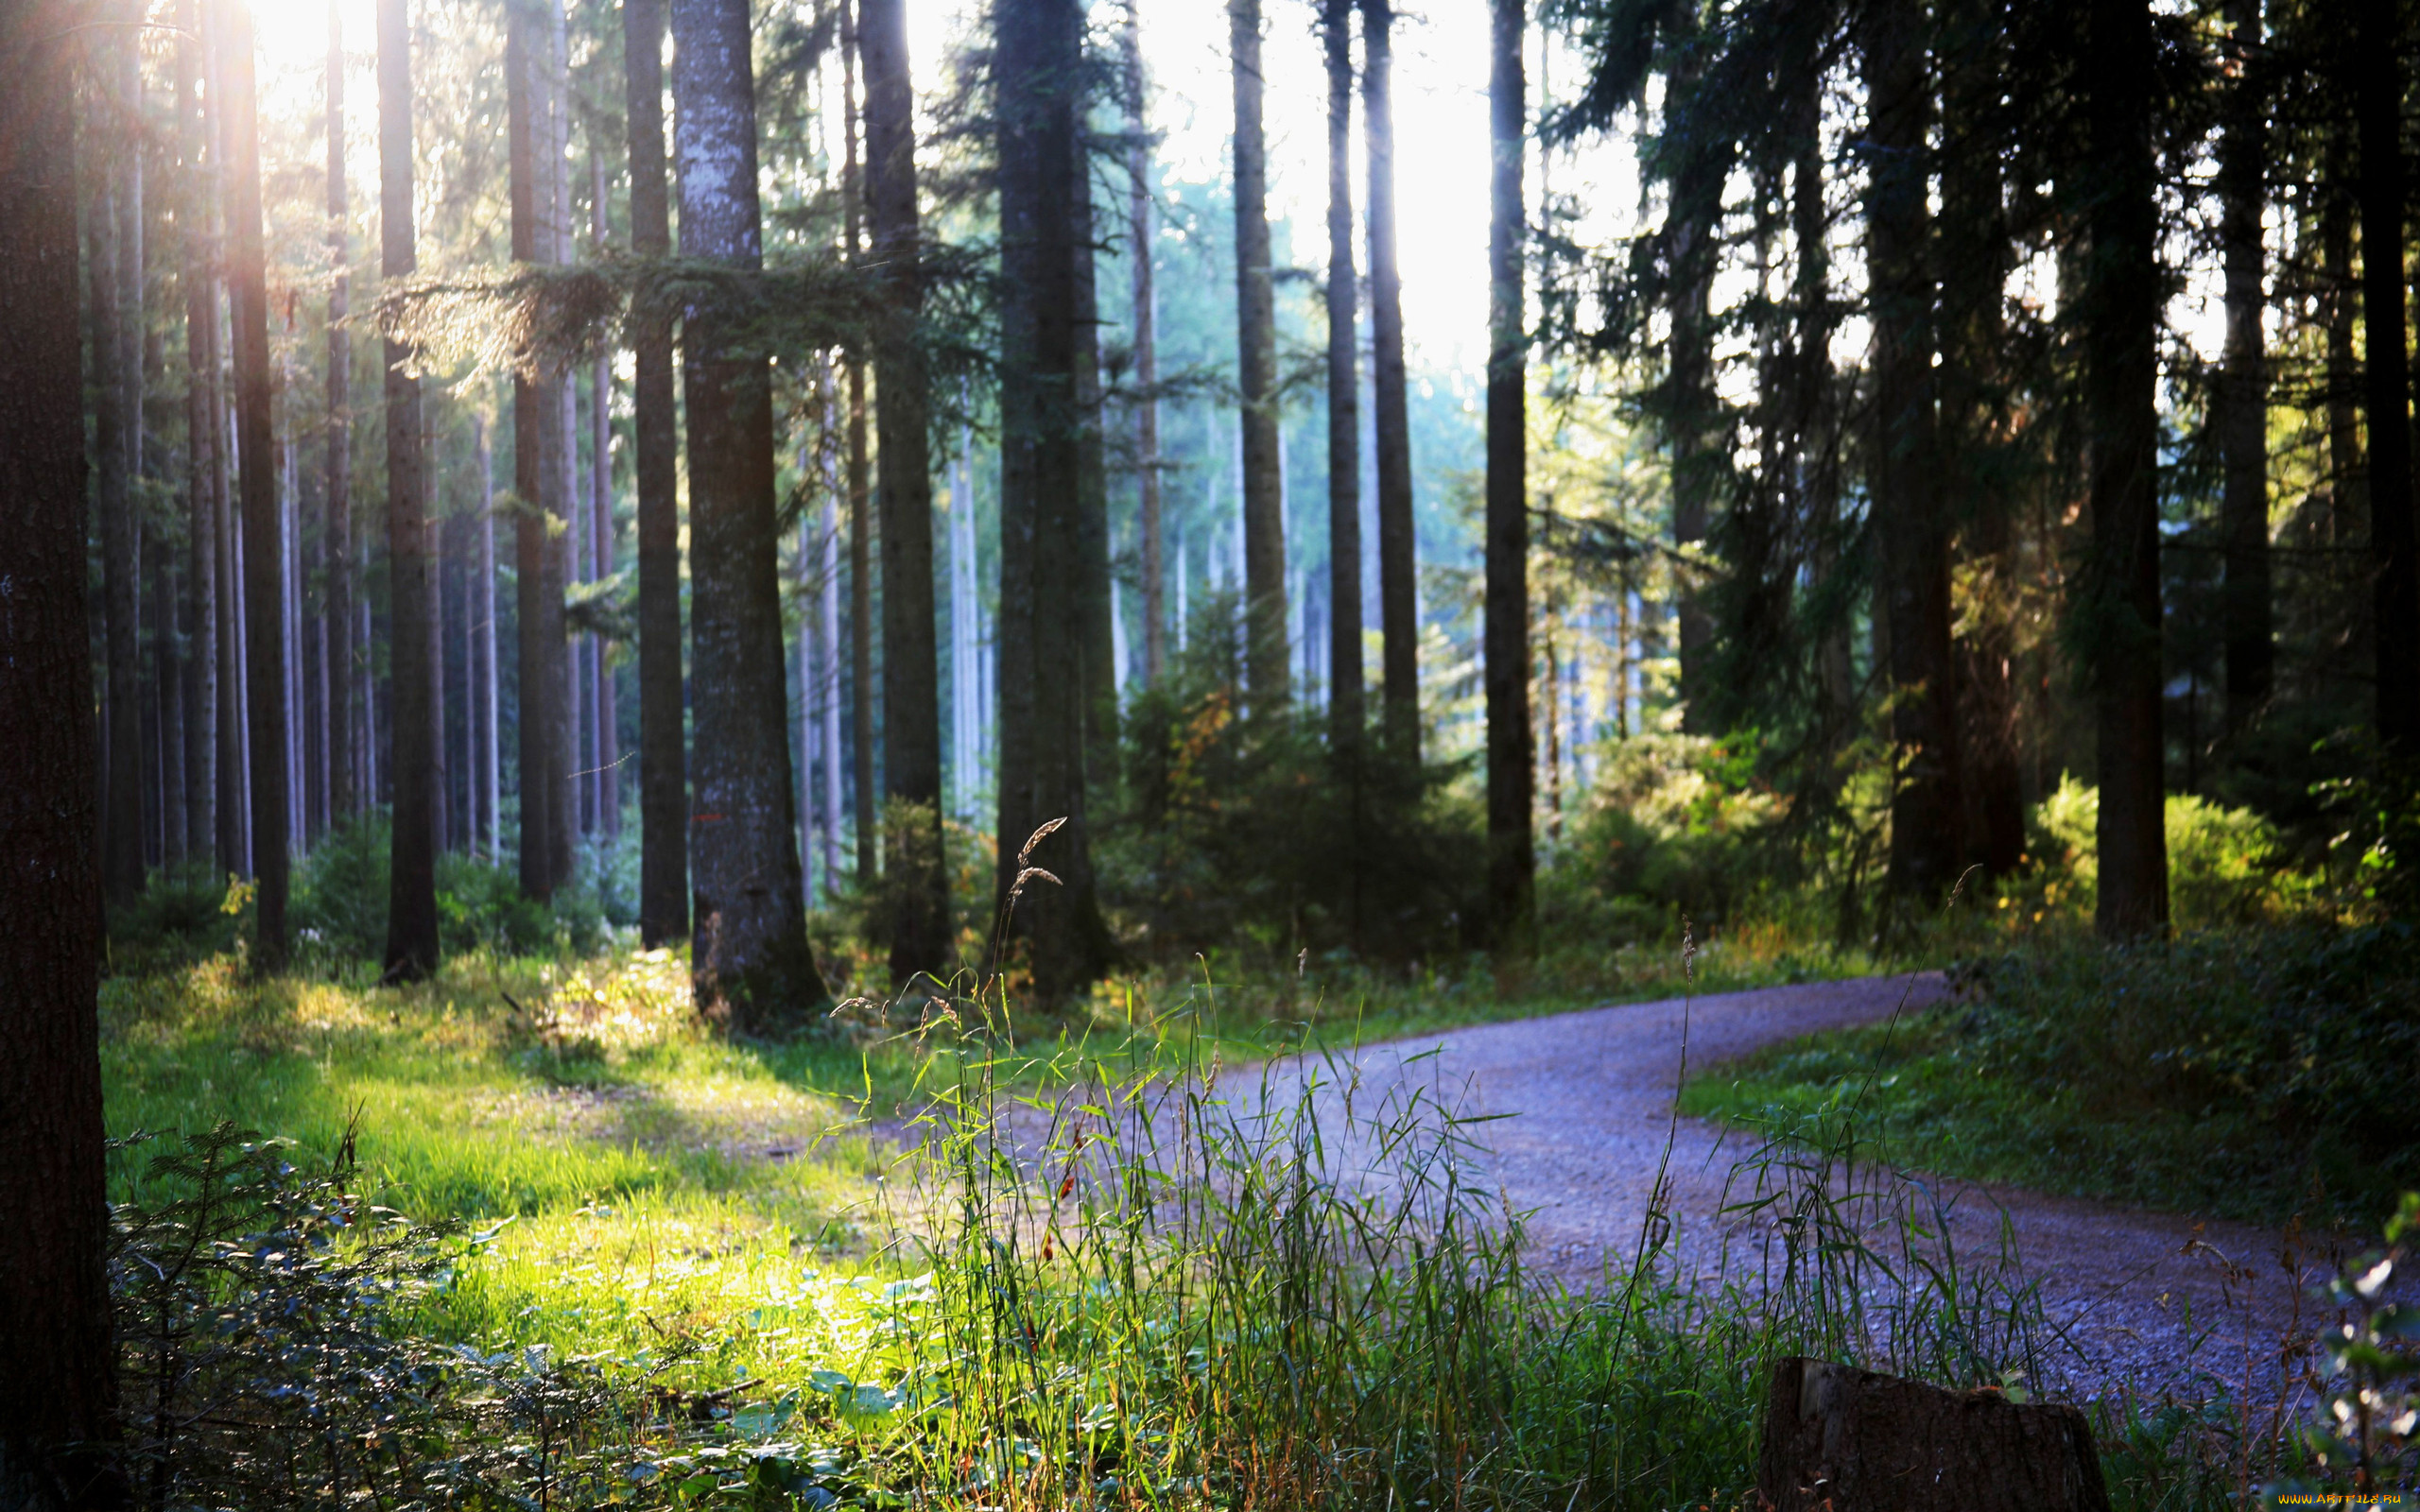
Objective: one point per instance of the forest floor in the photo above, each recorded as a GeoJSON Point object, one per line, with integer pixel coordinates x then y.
{"type": "Point", "coordinates": [1579, 1111]}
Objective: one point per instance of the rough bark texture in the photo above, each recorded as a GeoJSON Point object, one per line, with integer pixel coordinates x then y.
{"type": "Point", "coordinates": [54, 1355]}
{"type": "Point", "coordinates": [538, 479]}
{"type": "Point", "coordinates": [2248, 619]}
{"type": "Point", "coordinates": [921, 936]}
{"type": "Point", "coordinates": [202, 467]}
{"type": "Point", "coordinates": [1094, 608]}
{"type": "Point", "coordinates": [122, 705]}
{"type": "Point", "coordinates": [256, 461]}
{"type": "Point", "coordinates": [1838, 1437]}
{"type": "Point", "coordinates": [2378, 88]}
{"type": "Point", "coordinates": [1042, 764]}
{"type": "Point", "coordinates": [1690, 405]}
{"type": "Point", "coordinates": [335, 537]}
{"type": "Point", "coordinates": [748, 942]}
{"type": "Point", "coordinates": [1927, 825]}
{"type": "Point", "coordinates": [664, 772]}
{"type": "Point", "coordinates": [1266, 664]}
{"type": "Point", "coordinates": [1390, 423]}
{"type": "Point", "coordinates": [1147, 359]}
{"type": "Point", "coordinates": [1511, 776]}
{"type": "Point", "coordinates": [2120, 313]}
{"type": "Point", "coordinates": [411, 876]}
{"type": "Point", "coordinates": [1344, 390]}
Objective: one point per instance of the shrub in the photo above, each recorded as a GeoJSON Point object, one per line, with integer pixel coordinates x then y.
{"type": "Point", "coordinates": [340, 892]}
{"type": "Point", "coordinates": [1676, 825]}
{"type": "Point", "coordinates": [2226, 866]}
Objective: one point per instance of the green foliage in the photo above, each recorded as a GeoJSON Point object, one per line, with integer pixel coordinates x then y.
{"type": "Point", "coordinates": [342, 886]}
{"type": "Point", "coordinates": [2370, 1423]}
{"type": "Point", "coordinates": [2226, 866]}
{"type": "Point", "coordinates": [1235, 828]}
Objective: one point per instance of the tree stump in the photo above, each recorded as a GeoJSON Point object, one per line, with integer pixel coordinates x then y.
{"type": "Point", "coordinates": [1840, 1439]}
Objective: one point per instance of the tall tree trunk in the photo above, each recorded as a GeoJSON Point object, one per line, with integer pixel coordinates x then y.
{"type": "Point", "coordinates": [559, 464]}
{"type": "Point", "coordinates": [921, 936]}
{"type": "Point", "coordinates": [2243, 395]}
{"type": "Point", "coordinates": [664, 774]}
{"type": "Point", "coordinates": [1691, 405]}
{"type": "Point", "coordinates": [2120, 312]}
{"type": "Point", "coordinates": [1511, 751]}
{"type": "Point", "coordinates": [1266, 664]}
{"type": "Point", "coordinates": [601, 530]}
{"type": "Point", "coordinates": [541, 478]}
{"type": "Point", "coordinates": [233, 828]}
{"type": "Point", "coordinates": [1343, 391]}
{"type": "Point", "coordinates": [411, 885]}
{"type": "Point", "coordinates": [256, 457]}
{"type": "Point", "coordinates": [749, 947]}
{"type": "Point", "coordinates": [488, 606]}
{"type": "Point", "coordinates": [862, 704]}
{"type": "Point", "coordinates": [57, 1386]}
{"type": "Point", "coordinates": [1391, 429]}
{"type": "Point", "coordinates": [336, 538]}
{"type": "Point", "coordinates": [201, 462]}
{"type": "Point", "coordinates": [1147, 358]}
{"type": "Point", "coordinates": [1095, 602]}
{"type": "Point", "coordinates": [1038, 68]}
{"type": "Point", "coordinates": [2378, 91]}
{"type": "Point", "coordinates": [1927, 817]}
{"type": "Point", "coordinates": [121, 564]}
{"type": "Point", "coordinates": [827, 668]}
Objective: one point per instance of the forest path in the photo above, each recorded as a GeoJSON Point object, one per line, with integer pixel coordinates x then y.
{"type": "Point", "coordinates": [1583, 1107]}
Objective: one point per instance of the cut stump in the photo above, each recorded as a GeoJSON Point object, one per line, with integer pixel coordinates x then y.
{"type": "Point", "coordinates": [1840, 1439]}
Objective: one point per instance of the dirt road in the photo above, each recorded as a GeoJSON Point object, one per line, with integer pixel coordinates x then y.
{"type": "Point", "coordinates": [1584, 1102]}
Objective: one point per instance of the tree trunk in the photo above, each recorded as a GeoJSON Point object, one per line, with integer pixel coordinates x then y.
{"type": "Point", "coordinates": [202, 463]}
{"type": "Point", "coordinates": [920, 937]}
{"type": "Point", "coordinates": [600, 532]}
{"type": "Point", "coordinates": [1266, 662]}
{"type": "Point", "coordinates": [2378, 88]}
{"type": "Point", "coordinates": [411, 896]}
{"type": "Point", "coordinates": [2243, 391]}
{"type": "Point", "coordinates": [1095, 605]}
{"type": "Point", "coordinates": [1838, 1436]}
{"type": "Point", "coordinates": [1927, 818]}
{"type": "Point", "coordinates": [1511, 748]}
{"type": "Point", "coordinates": [1391, 430]}
{"type": "Point", "coordinates": [827, 667]}
{"type": "Point", "coordinates": [336, 538]}
{"type": "Point", "coordinates": [542, 479]}
{"type": "Point", "coordinates": [57, 1393]}
{"type": "Point", "coordinates": [1038, 68]}
{"type": "Point", "coordinates": [749, 946]}
{"type": "Point", "coordinates": [2119, 313]}
{"type": "Point", "coordinates": [664, 777]}
{"type": "Point", "coordinates": [256, 457]}
{"type": "Point", "coordinates": [861, 705]}
{"type": "Point", "coordinates": [122, 701]}
{"type": "Point", "coordinates": [1147, 359]}
{"type": "Point", "coordinates": [491, 674]}
{"type": "Point", "coordinates": [1343, 392]}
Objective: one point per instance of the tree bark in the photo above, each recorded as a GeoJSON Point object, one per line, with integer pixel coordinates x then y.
{"type": "Point", "coordinates": [921, 936]}
{"type": "Point", "coordinates": [487, 686]}
{"type": "Point", "coordinates": [1266, 662]}
{"type": "Point", "coordinates": [336, 538]}
{"type": "Point", "coordinates": [1147, 359]}
{"type": "Point", "coordinates": [664, 777]}
{"type": "Point", "coordinates": [411, 891]}
{"type": "Point", "coordinates": [600, 532]}
{"type": "Point", "coordinates": [1511, 747]}
{"type": "Point", "coordinates": [256, 459]}
{"type": "Point", "coordinates": [202, 463]}
{"type": "Point", "coordinates": [1390, 427]}
{"type": "Point", "coordinates": [2379, 89]}
{"type": "Point", "coordinates": [2119, 311]}
{"type": "Point", "coordinates": [1691, 405]}
{"type": "Point", "coordinates": [1343, 391]}
{"type": "Point", "coordinates": [1038, 68]}
{"type": "Point", "coordinates": [541, 480]}
{"type": "Point", "coordinates": [749, 949]}
{"type": "Point", "coordinates": [1838, 1436]}
{"type": "Point", "coordinates": [1096, 604]}
{"type": "Point", "coordinates": [2249, 620]}
{"type": "Point", "coordinates": [57, 1392]}
{"type": "Point", "coordinates": [121, 564]}
{"type": "Point", "coordinates": [861, 703]}
{"type": "Point", "coordinates": [1927, 818]}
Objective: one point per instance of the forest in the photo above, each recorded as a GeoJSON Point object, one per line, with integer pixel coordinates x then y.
{"type": "Point", "coordinates": [1084, 753]}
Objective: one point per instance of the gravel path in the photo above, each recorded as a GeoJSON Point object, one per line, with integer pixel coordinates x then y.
{"type": "Point", "coordinates": [1584, 1102]}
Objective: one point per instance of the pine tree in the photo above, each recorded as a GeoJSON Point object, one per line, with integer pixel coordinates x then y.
{"type": "Point", "coordinates": [1390, 428]}
{"type": "Point", "coordinates": [1266, 662]}
{"type": "Point", "coordinates": [1344, 390]}
{"type": "Point", "coordinates": [1511, 754]}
